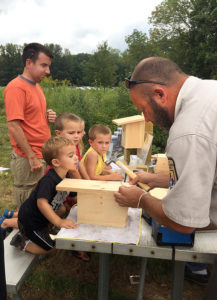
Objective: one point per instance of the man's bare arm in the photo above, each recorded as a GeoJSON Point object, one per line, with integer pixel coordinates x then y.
{"type": "Point", "coordinates": [16, 131]}
{"type": "Point", "coordinates": [129, 197]}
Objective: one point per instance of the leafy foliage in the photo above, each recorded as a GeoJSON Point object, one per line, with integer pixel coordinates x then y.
{"type": "Point", "coordinates": [101, 68]}
{"type": "Point", "coordinates": [186, 32]}
{"type": "Point", "coordinates": [182, 30]}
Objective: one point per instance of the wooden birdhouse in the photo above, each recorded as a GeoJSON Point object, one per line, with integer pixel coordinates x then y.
{"type": "Point", "coordinates": [96, 202]}
{"type": "Point", "coordinates": [133, 131]}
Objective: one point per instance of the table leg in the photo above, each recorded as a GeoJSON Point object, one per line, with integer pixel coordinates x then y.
{"type": "Point", "coordinates": [178, 280]}
{"type": "Point", "coordinates": [142, 278]}
{"type": "Point", "coordinates": [3, 294]}
{"type": "Point", "coordinates": [103, 282]}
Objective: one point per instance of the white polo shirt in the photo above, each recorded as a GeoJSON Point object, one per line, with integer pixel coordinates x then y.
{"type": "Point", "coordinates": [192, 144]}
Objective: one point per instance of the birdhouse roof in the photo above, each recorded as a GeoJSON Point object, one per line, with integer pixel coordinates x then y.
{"type": "Point", "coordinates": [128, 120]}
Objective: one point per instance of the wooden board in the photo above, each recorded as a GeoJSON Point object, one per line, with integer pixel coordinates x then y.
{"type": "Point", "coordinates": [133, 135]}
{"type": "Point", "coordinates": [143, 152]}
{"type": "Point", "coordinates": [149, 130]}
{"type": "Point", "coordinates": [96, 202]}
{"type": "Point", "coordinates": [100, 208]}
{"type": "Point", "coordinates": [149, 127]}
{"type": "Point", "coordinates": [162, 165]}
{"type": "Point", "coordinates": [159, 193]}
{"type": "Point", "coordinates": [127, 120]}
{"type": "Point", "coordinates": [76, 185]}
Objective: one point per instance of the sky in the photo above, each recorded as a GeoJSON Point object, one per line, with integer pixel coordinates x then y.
{"type": "Point", "coordinates": [77, 25]}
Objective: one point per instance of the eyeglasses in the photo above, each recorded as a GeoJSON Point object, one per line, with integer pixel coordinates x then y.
{"type": "Point", "coordinates": [129, 83]}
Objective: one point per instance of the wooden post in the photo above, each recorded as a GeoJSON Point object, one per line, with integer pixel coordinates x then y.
{"type": "Point", "coordinates": [127, 156]}
{"type": "Point", "coordinates": [149, 129]}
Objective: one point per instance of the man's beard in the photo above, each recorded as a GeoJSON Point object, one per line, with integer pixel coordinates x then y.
{"type": "Point", "coordinates": [162, 118]}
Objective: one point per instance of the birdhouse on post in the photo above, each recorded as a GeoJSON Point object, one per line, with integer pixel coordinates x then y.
{"type": "Point", "coordinates": [133, 130]}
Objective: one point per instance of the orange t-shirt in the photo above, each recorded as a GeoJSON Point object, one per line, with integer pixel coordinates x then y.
{"type": "Point", "coordinates": [26, 102]}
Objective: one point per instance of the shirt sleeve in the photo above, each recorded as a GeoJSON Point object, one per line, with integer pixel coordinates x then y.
{"type": "Point", "coordinates": [188, 202]}
{"type": "Point", "coordinates": [15, 99]}
{"type": "Point", "coordinates": [46, 188]}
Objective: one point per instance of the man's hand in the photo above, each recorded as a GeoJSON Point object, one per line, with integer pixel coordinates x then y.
{"type": "Point", "coordinates": [67, 223]}
{"type": "Point", "coordinates": [143, 177]}
{"type": "Point", "coordinates": [153, 180]}
{"type": "Point", "coordinates": [51, 116]}
{"type": "Point", "coordinates": [35, 164]}
{"type": "Point", "coordinates": [128, 196]}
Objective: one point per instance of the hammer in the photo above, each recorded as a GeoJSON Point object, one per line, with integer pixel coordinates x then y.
{"type": "Point", "coordinates": [132, 175]}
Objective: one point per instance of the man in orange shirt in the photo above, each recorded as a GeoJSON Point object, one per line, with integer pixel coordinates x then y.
{"type": "Point", "coordinates": [27, 118]}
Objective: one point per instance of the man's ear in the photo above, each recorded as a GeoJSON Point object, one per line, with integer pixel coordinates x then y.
{"type": "Point", "coordinates": [57, 132]}
{"type": "Point", "coordinates": [160, 95]}
{"type": "Point", "coordinates": [55, 162]}
{"type": "Point", "coordinates": [28, 62]}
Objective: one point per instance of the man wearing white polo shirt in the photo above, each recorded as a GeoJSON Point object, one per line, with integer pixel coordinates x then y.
{"type": "Point", "coordinates": [186, 106]}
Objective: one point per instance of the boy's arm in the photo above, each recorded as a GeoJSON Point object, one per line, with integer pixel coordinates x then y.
{"type": "Point", "coordinates": [104, 172]}
{"type": "Point", "coordinates": [74, 174]}
{"type": "Point", "coordinates": [108, 167]}
{"type": "Point", "coordinates": [51, 216]}
{"type": "Point", "coordinates": [91, 162]}
{"type": "Point", "coordinates": [83, 171]}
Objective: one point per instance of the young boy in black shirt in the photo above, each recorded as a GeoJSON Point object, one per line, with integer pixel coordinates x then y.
{"type": "Point", "coordinates": [42, 207]}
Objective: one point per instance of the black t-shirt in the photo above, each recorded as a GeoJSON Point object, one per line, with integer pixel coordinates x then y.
{"type": "Point", "coordinates": [29, 214]}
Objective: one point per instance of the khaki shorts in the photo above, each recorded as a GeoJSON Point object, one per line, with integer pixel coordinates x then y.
{"type": "Point", "coordinates": [24, 179]}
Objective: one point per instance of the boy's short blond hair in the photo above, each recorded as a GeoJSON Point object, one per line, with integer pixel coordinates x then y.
{"type": "Point", "coordinates": [65, 117]}
{"type": "Point", "coordinates": [98, 129]}
{"type": "Point", "coordinates": [51, 148]}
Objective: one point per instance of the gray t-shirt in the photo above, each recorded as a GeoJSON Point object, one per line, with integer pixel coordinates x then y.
{"type": "Point", "coordinates": [192, 145]}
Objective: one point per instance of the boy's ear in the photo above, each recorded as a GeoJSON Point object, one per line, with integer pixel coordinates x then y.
{"type": "Point", "coordinates": [90, 142]}
{"type": "Point", "coordinates": [57, 132]}
{"type": "Point", "coordinates": [55, 162]}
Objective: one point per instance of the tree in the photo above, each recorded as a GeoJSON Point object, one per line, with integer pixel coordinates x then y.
{"type": "Point", "coordinates": [101, 68]}
{"type": "Point", "coordinates": [138, 48]}
{"type": "Point", "coordinates": [78, 68]}
{"type": "Point", "coordinates": [186, 32]}
{"type": "Point", "coordinates": [10, 62]}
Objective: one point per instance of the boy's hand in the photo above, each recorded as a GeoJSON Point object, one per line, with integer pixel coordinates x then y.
{"type": "Point", "coordinates": [108, 167]}
{"type": "Point", "coordinates": [68, 223]}
{"type": "Point", "coordinates": [117, 176]}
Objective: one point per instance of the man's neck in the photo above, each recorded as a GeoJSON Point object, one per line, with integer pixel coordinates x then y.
{"type": "Point", "coordinates": [27, 76]}
{"type": "Point", "coordinates": [27, 80]}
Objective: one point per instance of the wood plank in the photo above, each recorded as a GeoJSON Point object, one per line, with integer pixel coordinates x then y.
{"type": "Point", "coordinates": [159, 193]}
{"type": "Point", "coordinates": [127, 120]}
{"type": "Point", "coordinates": [96, 202]}
{"type": "Point", "coordinates": [76, 185]}
{"type": "Point", "coordinates": [100, 208]}
{"type": "Point", "coordinates": [162, 165]}
{"type": "Point", "coordinates": [133, 135]}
